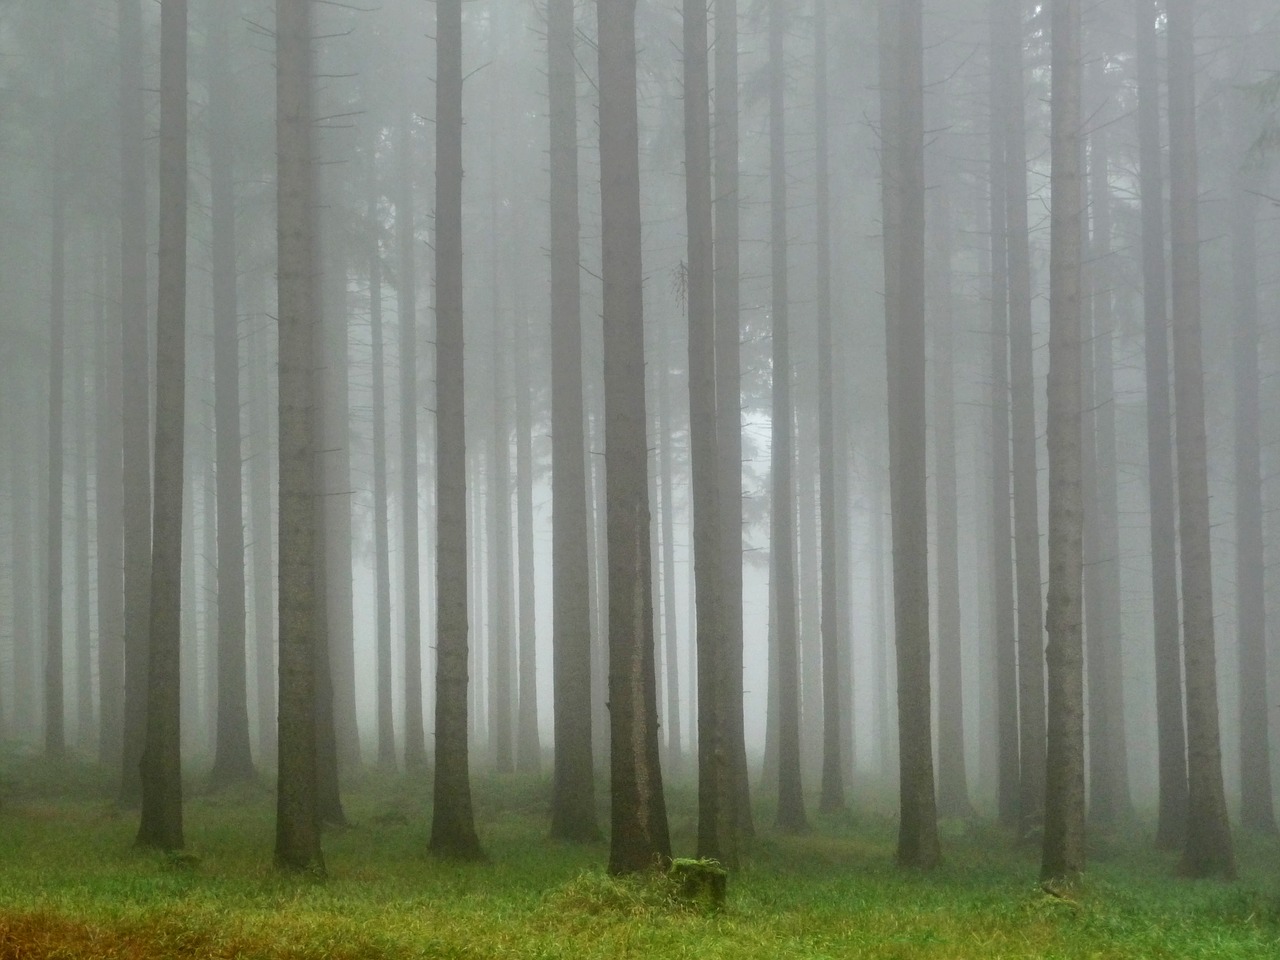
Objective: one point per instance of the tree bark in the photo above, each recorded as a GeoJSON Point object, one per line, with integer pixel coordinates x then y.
{"type": "Point", "coordinates": [161, 823]}
{"type": "Point", "coordinates": [639, 838]}
{"type": "Point", "coordinates": [1208, 849]}
{"type": "Point", "coordinates": [1062, 857]}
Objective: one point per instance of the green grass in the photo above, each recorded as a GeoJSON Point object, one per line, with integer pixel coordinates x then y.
{"type": "Point", "coordinates": [72, 885]}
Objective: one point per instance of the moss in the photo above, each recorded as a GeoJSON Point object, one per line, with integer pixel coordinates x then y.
{"type": "Point", "coordinates": [700, 883]}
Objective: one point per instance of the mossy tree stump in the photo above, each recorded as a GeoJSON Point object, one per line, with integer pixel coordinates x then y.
{"type": "Point", "coordinates": [700, 883]}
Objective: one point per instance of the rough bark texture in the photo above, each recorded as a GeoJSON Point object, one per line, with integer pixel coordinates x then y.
{"type": "Point", "coordinates": [1172, 817]}
{"type": "Point", "coordinates": [297, 844]}
{"type": "Point", "coordinates": [903, 184]}
{"type": "Point", "coordinates": [1062, 857]}
{"type": "Point", "coordinates": [161, 824]}
{"type": "Point", "coordinates": [833, 734]}
{"type": "Point", "coordinates": [453, 832]}
{"type": "Point", "coordinates": [233, 760]}
{"type": "Point", "coordinates": [639, 839]}
{"type": "Point", "coordinates": [1208, 849]}
{"type": "Point", "coordinates": [136, 400]}
{"type": "Point", "coordinates": [573, 815]}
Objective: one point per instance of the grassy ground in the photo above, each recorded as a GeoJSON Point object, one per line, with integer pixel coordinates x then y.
{"type": "Point", "coordinates": [72, 885]}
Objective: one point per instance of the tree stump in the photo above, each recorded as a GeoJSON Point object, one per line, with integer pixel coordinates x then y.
{"type": "Point", "coordinates": [700, 883]}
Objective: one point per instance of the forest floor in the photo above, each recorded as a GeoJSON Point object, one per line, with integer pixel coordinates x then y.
{"type": "Point", "coordinates": [72, 885]}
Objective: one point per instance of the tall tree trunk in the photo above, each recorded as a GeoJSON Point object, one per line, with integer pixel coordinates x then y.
{"type": "Point", "coordinates": [382, 560]}
{"type": "Point", "coordinates": [85, 729]}
{"type": "Point", "coordinates": [832, 795]}
{"type": "Point", "coordinates": [1257, 806]}
{"type": "Point", "coordinates": [300, 569]}
{"type": "Point", "coordinates": [109, 534]}
{"type": "Point", "coordinates": [903, 175]}
{"type": "Point", "coordinates": [161, 824]}
{"type": "Point", "coordinates": [453, 831]}
{"type": "Point", "coordinates": [1208, 849]}
{"type": "Point", "coordinates": [1005, 627]}
{"type": "Point", "coordinates": [233, 759]}
{"type": "Point", "coordinates": [528, 748]}
{"type": "Point", "coordinates": [1026, 508]}
{"type": "Point", "coordinates": [725, 207]}
{"type": "Point", "coordinates": [1172, 818]}
{"type": "Point", "coordinates": [573, 815]}
{"type": "Point", "coordinates": [639, 837]}
{"type": "Point", "coordinates": [791, 815]}
{"type": "Point", "coordinates": [264, 571]}
{"type": "Point", "coordinates": [717, 820]}
{"type": "Point", "coordinates": [499, 508]}
{"type": "Point", "coordinates": [54, 733]}
{"type": "Point", "coordinates": [666, 454]}
{"type": "Point", "coordinates": [953, 783]}
{"type": "Point", "coordinates": [1063, 850]}
{"type": "Point", "coordinates": [136, 399]}
{"type": "Point", "coordinates": [415, 751]}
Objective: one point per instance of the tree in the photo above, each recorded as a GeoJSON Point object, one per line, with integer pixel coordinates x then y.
{"type": "Point", "coordinates": [832, 795]}
{"type": "Point", "coordinates": [1063, 851]}
{"type": "Point", "coordinates": [573, 814]}
{"type": "Point", "coordinates": [902, 132]}
{"type": "Point", "coordinates": [161, 824]}
{"type": "Point", "coordinates": [453, 832]}
{"type": "Point", "coordinates": [717, 821]}
{"type": "Point", "coordinates": [1208, 841]}
{"type": "Point", "coordinates": [791, 815]}
{"type": "Point", "coordinates": [300, 567]}
{"type": "Point", "coordinates": [1172, 813]}
{"type": "Point", "coordinates": [233, 759]}
{"type": "Point", "coordinates": [639, 839]}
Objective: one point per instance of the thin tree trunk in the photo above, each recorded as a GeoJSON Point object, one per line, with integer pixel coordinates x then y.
{"type": "Point", "coordinates": [85, 727]}
{"type": "Point", "coordinates": [1064, 803]}
{"type": "Point", "coordinates": [300, 570]}
{"type": "Point", "coordinates": [453, 831]}
{"type": "Point", "coordinates": [573, 815]}
{"type": "Point", "coordinates": [639, 838]}
{"type": "Point", "coordinates": [264, 606]}
{"type": "Point", "coordinates": [791, 814]}
{"type": "Point", "coordinates": [498, 505]}
{"type": "Point", "coordinates": [233, 759]}
{"type": "Point", "coordinates": [1172, 818]}
{"type": "Point", "coordinates": [670, 632]}
{"type": "Point", "coordinates": [1208, 849]}
{"type": "Point", "coordinates": [528, 749]}
{"type": "Point", "coordinates": [161, 824]}
{"type": "Point", "coordinates": [136, 400]}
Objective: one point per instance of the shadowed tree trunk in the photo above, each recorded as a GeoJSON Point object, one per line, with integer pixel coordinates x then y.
{"type": "Point", "coordinates": [264, 607]}
{"type": "Point", "coordinates": [233, 760]}
{"type": "Point", "coordinates": [528, 749]}
{"type": "Point", "coordinates": [791, 815]}
{"type": "Point", "coordinates": [904, 222]}
{"type": "Point", "coordinates": [639, 839]}
{"type": "Point", "coordinates": [717, 820]}
{"type": "Point", "coordinates": [1172, 816]}
{"type": "Point", "coordinates": [136, 401]}
{"type": "Point", "coordinates": [161, 824]}
{"type": "Point", "coordinates": [832, 795]}
{"type": "Point", "coordinates": [297, 844]}
{"type": "Point", "coordinates": [1208, 849]}
{"type": "Point", "coordinates": [453, 832]}
{"type": "Point", "coordinates": [573, 815]}
{"type": "Point", "coordinates": [1062, 857]}
{"type": "Point", "coordinates": [1005, 627]}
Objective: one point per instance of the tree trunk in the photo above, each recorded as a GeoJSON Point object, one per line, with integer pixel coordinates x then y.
{"type": "Point", "coordinates": [453, 832]}
{"type": "Point", "coordinates": [161, 824]}
{"type": "Point", "coordinates": [300, 568]}
{"type": "Point", "coordinates": [136, 399]}
{"type": "Point", "coordinates": [665, 447]}
{"type": "Point", "coordinates": [1208, 843]}
{"type": "Point", "coordinates": [573, 814]}
{"type": "Point", "coordinates": [832, 795]}
{"type": "Point", "coordinates": [903, 176]}
{"type": "Point", "coordinates": [415, 752]}
{"type": "Point", "coordinates": [717, 820]}
{"type": "Point", "coordinates": [233, 760]}
{"type": "Point", "coordinates": [1005, 628]}
{"type": "Point", "coordinates": [498, 505]}
{"type": "Point", "coordinates": [791, 814]}
{"type": "Point", "coordinates": [1172, 818]}
{"type": "Point", "coordinates": [528, 748]}
{"type": "Point", "coordinates": [639, 839]}
{"type": "Point", "coordinates": [264, 571]}
{"type": "Point", "coordinates": [1063, 851]}
{"type": "Point", "coordinates": [85, 728]}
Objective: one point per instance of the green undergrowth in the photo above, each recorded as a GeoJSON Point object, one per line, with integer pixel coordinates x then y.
{"type": "Point", "coordinates": [72, 885]}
